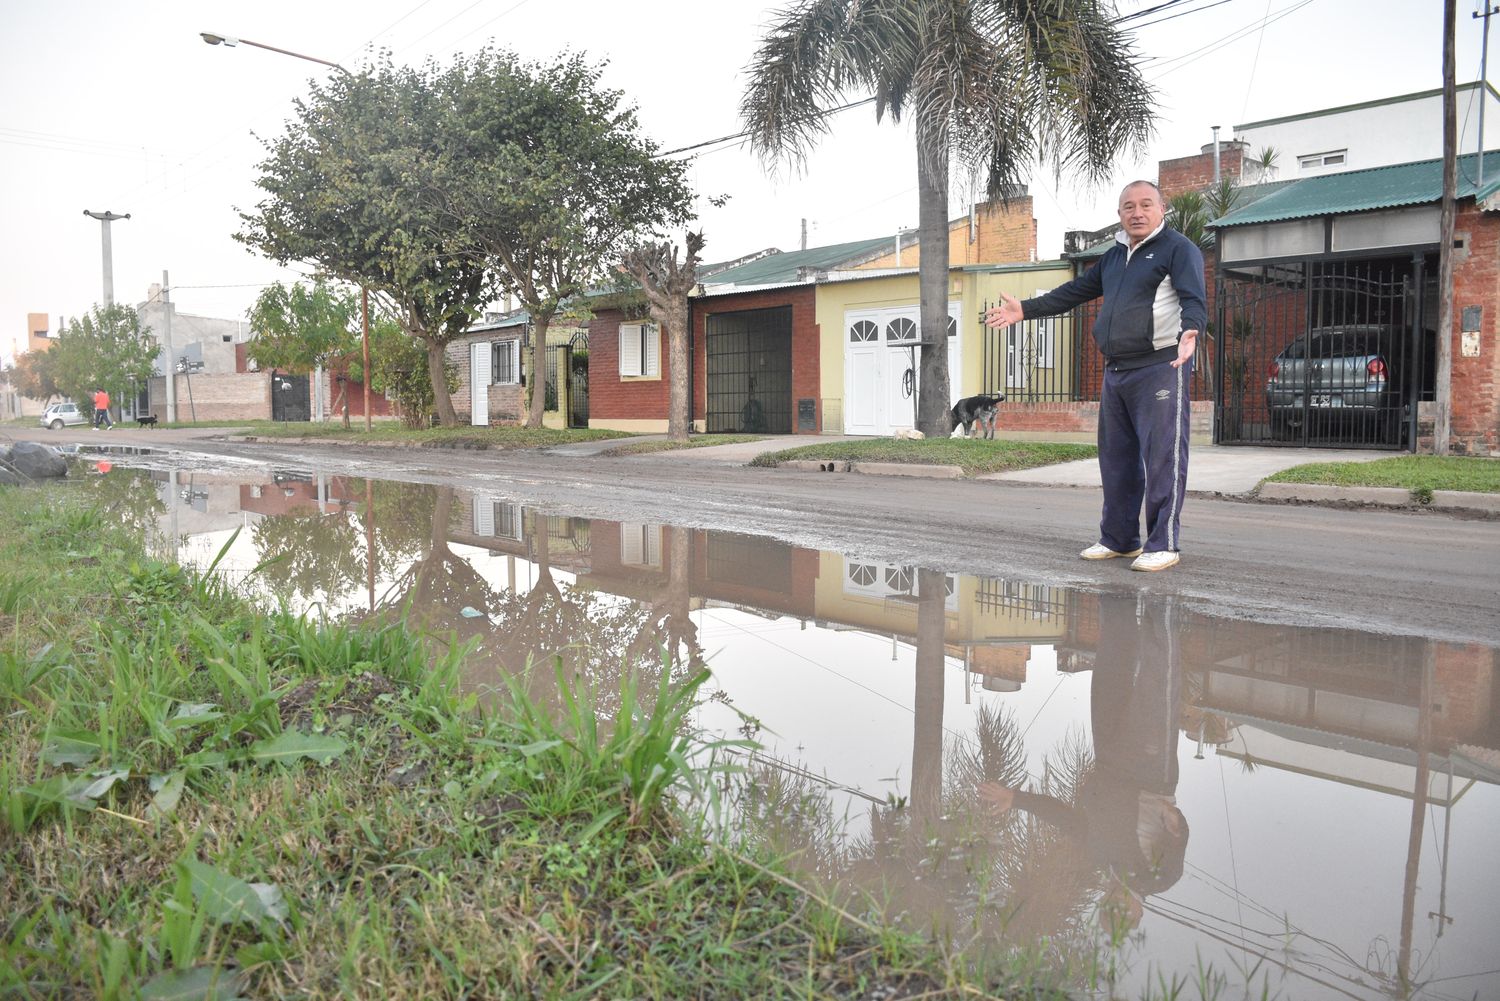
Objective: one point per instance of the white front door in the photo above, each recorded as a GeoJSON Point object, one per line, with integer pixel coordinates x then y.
{"type": "Point", "coordinates": [882, 362]}
{"type": "Point", "coordinates": [479, 384]}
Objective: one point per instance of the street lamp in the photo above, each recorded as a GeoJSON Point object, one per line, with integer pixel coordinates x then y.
{"type": "Point", "coordinates": [364, 323]}
{"type": "Point", "coordinates": [105, 218]}
{"type": "Point", "coordinates": [230, 41]}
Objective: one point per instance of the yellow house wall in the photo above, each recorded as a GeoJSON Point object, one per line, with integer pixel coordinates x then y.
{"type": "Point", "coordinates": [970, 288]}
{"type": "Point", "coordinates": [968, 621]}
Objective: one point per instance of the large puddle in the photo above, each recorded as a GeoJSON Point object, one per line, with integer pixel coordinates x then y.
{"type": "Point", "coordinates": [1142, 794]}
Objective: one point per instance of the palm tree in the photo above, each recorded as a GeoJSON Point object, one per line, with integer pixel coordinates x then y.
{"type": "Point", "coordinates": [991, 85]}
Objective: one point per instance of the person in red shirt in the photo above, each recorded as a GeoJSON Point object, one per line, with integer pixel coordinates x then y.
{"type": "Point", "coordinates": [101, 410]}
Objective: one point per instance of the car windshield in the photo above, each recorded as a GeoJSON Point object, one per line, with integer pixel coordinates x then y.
{"type": "Point", "coordinates": [1340, 344]}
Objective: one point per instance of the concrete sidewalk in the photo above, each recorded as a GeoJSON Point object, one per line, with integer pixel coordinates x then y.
{"type": "Point", "coordinates": [1212, 469]}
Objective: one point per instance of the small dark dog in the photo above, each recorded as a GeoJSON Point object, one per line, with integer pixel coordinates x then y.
{"type": "Point", "coordinates": [146, 420]}
{"type": "Point", "coordinates": [976, 409]}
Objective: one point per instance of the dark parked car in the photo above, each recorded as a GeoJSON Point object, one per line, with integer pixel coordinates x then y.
{"type": "Point", "coordinates": [1342, 382]}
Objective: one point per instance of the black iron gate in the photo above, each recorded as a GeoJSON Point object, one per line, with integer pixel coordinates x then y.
{"type": "Point", "coordinates": [290, 400]}
{"type": "Point", "coordinates": [1329, 353]}
{"type": "Point", "coordinates": [750, 371]}
{"type": "Point", "coordinates": [578, 380]}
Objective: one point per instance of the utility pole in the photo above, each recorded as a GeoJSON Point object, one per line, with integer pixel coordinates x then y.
{"type": "Point", "coordinates": [105, 218]}
{"type": "Point", "coordinates": [1443, 387]}
{"type": "Point", "coordinates": [1484, 79]}
{"type": "Point", "coordinates": [166, 339]}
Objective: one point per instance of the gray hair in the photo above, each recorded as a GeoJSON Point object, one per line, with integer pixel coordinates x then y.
{"type": "Point", "coordinates": [1140, 183]}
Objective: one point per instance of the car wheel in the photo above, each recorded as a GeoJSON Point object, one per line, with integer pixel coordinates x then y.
{"type": "Point", "coordinates": [57, 424]}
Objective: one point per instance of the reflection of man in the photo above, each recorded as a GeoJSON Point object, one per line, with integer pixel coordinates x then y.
{"type": "Point", "coordinates": [1147, 328]}
{"type": "Point", "coordinates": [1125, 820]}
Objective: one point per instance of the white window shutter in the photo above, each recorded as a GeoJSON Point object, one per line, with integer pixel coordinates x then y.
{"type": "Point", "coordinates": [651, 344]}
{"type": "Point", "coordinates": [630, 349]}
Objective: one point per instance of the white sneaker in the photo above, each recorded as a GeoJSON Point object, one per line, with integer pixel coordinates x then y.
{"type": "Point", "coordinates": [1099, 551]}
{"type": "Point", "coordinates": [1158, 560]}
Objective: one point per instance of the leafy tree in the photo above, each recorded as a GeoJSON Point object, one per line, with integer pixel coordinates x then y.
{"type": "Point", "coordinates": [398, 366]}
{"type": "Point", "coordinates": [303, 328]}
{"type": "Point", "coordinates": [666, 283]}
{"type": "Point", "coordinates": [107, 348]}
{"type": "Point", "coordinates": [548, 173]}
{"type": "Point", "coordinates": [991, 85]}
{"type": "Point", "coordinates": [32, 375]}
{"type": "Point", "coordinates": [341, 195]}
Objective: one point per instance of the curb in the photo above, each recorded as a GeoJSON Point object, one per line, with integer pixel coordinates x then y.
{"type": "Point", "coordinates": [930, 471]}
{"type": "Point", "coordinates": [1319, 493]}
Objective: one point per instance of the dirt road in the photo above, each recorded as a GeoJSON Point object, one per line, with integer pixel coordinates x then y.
{"type": "Point", "coordinates": [1389, 571]}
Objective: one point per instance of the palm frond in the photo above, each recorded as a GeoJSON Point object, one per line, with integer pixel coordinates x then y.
{"type": "Point", "coordinates": [812, 57]}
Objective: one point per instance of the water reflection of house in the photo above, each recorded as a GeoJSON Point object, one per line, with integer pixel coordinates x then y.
{"type": "Point", "coordinates": [989, 622]}
{"type": "Point", "coordinates": [1349, 706]}
{"type": "Point", "coordinates": [289, 492]}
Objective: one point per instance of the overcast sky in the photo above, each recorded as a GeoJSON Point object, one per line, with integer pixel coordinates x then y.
{"type": "Point", "coordinates": [123, 107]}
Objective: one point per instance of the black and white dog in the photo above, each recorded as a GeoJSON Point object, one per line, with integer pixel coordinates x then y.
{"type": "Point", "coordinates": [976, 409]}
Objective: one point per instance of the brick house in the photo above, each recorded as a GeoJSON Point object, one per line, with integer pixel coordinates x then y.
{"type": "Point", "coordinates": [768, 351]}
{"type": "Point", "coordinates": [1357, 252]}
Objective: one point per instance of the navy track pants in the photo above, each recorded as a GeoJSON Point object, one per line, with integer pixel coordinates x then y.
{"type": "Point", "coordinates": [1144, 415]}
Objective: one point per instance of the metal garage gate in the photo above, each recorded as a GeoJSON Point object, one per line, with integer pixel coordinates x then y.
{"type": "Point", "coordinates": [1329, 353]}
{"type": "Point", "coordinates": [750, 371]}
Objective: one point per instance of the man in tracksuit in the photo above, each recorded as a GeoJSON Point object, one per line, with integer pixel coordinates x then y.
{"type": "Point", "coordinates": [1147, 329]}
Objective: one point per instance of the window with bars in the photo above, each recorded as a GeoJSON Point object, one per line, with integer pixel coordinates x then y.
{"type": "Point", "coordinates": [505, 363]}
{"type": "Point", "coordinates": [640, 349]}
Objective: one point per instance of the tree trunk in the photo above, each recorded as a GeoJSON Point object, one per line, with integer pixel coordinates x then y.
{"type": "Point", "coordinates": [437, 373]}
{"type": "Point", "coordinates": [932, 276]}
{"type": "Point", "coordinates": [679, 413]}
{"type": "Point", "coordinates": [536, 384]}
{"type": "Point", "coordinates": [927, 704]}
{"type": "Point", "coordinates": [343, 401]}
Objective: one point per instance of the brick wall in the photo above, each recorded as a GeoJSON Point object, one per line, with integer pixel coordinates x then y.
{"type": "Point", "coordinates": [613, 398]}
{"type": "Point", "coordinates": [1463, 679]}
{"type": "Point", "coordinates": [1475, 389]}
{"type": "Point", "coordinates": [220, 396]}
{"type": "Point", "coordinates": [505, 401]}
{"type": "Point", "coordinates": [1004, 234]}
{"type": "Point", "coordinates": [1196, 172]}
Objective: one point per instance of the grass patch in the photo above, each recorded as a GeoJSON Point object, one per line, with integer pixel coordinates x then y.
{"type": "Point", "coordinates": [391, 432]}
{"type": "Point", "coordinates": [1411, 472]}
{"type": "Point", "coordinates": [974, 455]}
{"type": "Point", "coordinates": [199, 799]}
{"type": "Point", "coordinates": [694, 441]}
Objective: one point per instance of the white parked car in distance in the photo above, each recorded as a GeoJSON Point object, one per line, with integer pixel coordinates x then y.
{"type": "Point", "coordinates": [58, 415]}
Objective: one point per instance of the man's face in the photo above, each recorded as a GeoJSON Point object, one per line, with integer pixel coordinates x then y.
{"type": "Point", "coordinates": [1141, 211]}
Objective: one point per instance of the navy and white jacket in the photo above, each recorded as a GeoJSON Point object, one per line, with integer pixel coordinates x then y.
{"type": "Point", "coordinates": [1152, 293]}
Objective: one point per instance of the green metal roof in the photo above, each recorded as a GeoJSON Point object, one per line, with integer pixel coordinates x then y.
{"type": "Point", "coordinates": [781, 269]}
{"type": "Point", "coordinates": [1248, 195]}
{"type": "Point", "coordinates": [1419, 183]}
